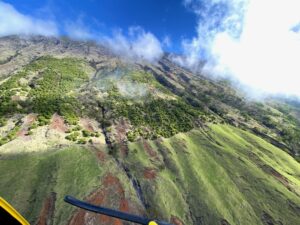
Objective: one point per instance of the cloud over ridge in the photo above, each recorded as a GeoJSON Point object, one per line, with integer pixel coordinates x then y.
{"type": "Point", "coordinates": [137, 45]}
{"type": "Point", "coordinates": [255, 41]}
{"type": "Point", "coordinates": [14, 22]}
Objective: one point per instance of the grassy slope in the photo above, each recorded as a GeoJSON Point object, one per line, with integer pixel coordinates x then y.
{"type": "Point", "coordinates": [28, 179]}
{"type": "Point", "coordinates": [219, 174]}
{"type": "Point", "coordinates": [203, 177]}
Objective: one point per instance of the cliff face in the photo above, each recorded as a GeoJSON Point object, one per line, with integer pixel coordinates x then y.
{"type": "Point", "coordinates": [150, 139]}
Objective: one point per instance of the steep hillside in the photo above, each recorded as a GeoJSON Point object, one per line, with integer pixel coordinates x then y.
{"type": "Point", "coordinates": [150, 139]}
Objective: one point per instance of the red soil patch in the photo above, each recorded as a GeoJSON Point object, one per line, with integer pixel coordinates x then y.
{"type": "Point", "coordinates": [124, 150]}
{"type": "Point", "coordinates": [101, 156]}
{"type": "Point", "coordinates": [176, 221]}
{"type": "Point", "coordinates": [99, 151]}
{"type": "Point", "coordinates": [87, 124]}
{"type": "Point", "coordinates": [150, 173]}
{"type": "Point", "coordinates": [149, 149]}
{"type": "Point", "coordinates": [124, 205]}
{"type": "Point", "coordinates": [29, 119]}
{"type": "Point", "coordinates": [110, 194]}
{"type": "Point", "coordinates": [58, 123]}
{"type": "Point", "coordinates": [23, 132]}
{"type": "Point", "coordinates": [121, 129]}
{"type": "Point", "coordinates": [27, 122]}
{"type": "Point", "coordinates": [46, 214]}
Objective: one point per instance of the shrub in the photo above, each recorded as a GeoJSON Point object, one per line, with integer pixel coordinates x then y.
{"type": "Point", "coordinates": [72, 136]}
{"type": "Point", "coordinates": [3, 122]}
{"type": "Point", "coordinates": [43, 120]}
{"type": "Point", "coordinates": [86, 133]}
{"type": "Point", "coordinates": [81, 141]}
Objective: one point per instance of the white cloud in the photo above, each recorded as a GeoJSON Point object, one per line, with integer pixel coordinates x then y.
{"type": "Point", "coordinates": [14, 22]}
{"type": "Point", "coordinates": [78, 30]}
{"type": "Point", "coordinates": [167, 41]}
{"type": "Point", "coordinates": [137, 45]}
{"type": "Point", "coordinates": [256, 41]}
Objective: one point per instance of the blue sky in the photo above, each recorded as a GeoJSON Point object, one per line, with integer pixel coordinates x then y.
{"type": "Point", "coordinates": [256, 42]}
{"type": "Point", "coordinates": [168, 18]}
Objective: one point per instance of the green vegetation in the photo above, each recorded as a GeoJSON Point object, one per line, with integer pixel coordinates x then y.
{"type": "Point", "coordinates": [132, 80]}
{"type": "Point", "coordinates": [59, 77]}
{"type": "Point", "coordinates": [72, 171]}
{"type": "Point", "coordinates": [3, 122]}
{"type": "Point", "coordinates": [73, 136]}
{"type": "Point", "coordinates": [154, 117]}
{"type": "Point", "coordinates": [206, 176]}
{"type": "Point", "coordinates": [80, 137]}
{"type": "Point", "coordinates": [51, 92]}
{"type": "Point", "coordinates": [10, 135]}
{"type": "Point", "coordinates": [188, 161]}
{"type": "Point", "coordinates": [86, 133]}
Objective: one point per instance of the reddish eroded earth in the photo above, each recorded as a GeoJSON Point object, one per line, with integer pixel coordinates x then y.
{"type": "Point", "coordinates": [176, 221]}
{"type": "Point", "coordinates": [101, 156]}
{"type": "Point", "coordinates": [121, 127]}
{"type": "Point", "coordinates": [278, 176]}
{"type": "Point", "coordinates": [47, 212]}
{"type": "Point", "coordinates": [124, 150]}
{"type": "Point", "coordinates": [120, 135]}
{"type": "Point", "coordinates": [149, 149]}
{"type": "Point", "coordinates": [87, 124]}
{"type": "Point", "coordinates": [150, 173]}
{"type": "Point", "coordinates": [100, 152]}
{"type": "Point", "coordinates": [112, 195]}
{"type": "Point", "coordinates": [58, 123]}
{"type": "Point", "coordinates": [27, 122]}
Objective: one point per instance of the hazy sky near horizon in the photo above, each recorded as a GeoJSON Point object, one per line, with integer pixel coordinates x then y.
{"type": "Point", "coordinates": [168, 20]}
{"type": "Point", "coordinates": [256, 42]}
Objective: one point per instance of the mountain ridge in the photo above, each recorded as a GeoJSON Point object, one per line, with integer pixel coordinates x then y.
{"type": "Point", "coordinates": [146, 131]}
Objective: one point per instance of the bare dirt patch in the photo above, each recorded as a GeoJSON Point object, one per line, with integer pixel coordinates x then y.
{"type": "Point", "coordinates": [101, 156]}
{"type": "Point", "coordinates": [112, 195]}
{"type": "Point", "coordinates": [176, 221]}
{"type": "Point", "coordinates": [121, 129]}
{"type": "Point", "coordinates": [100, 152]}
{"type": "Point", "coordinates": [149, 149]}
{"type": "Point", "coordinates": [150, 173]}
{"type": "Point", "coordinates": [27, 122]}
{"type": "Point", "coordinates": [47, 212]}
{"type": "Point", "coordinates": [58, 123]}
{"type": "Point", "coordinates": [124, 150]}
{"type": "Point", "coordinates": [88, 124]}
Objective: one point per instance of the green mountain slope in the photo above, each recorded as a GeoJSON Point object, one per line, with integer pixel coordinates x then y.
{"type": "Point", "coordinates": [150, 139]}
{"type": "Point", "coordinates": [220, 173]}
